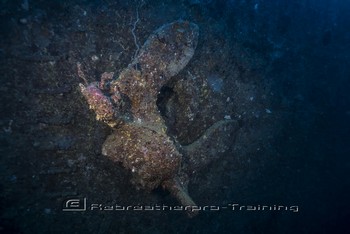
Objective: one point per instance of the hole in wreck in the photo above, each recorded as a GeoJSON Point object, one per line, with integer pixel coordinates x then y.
{"type": "Point", "coordinates": [163, 98]}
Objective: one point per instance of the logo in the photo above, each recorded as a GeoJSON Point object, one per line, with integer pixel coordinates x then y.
{"type": "Point", "coordinates": [76, 204]}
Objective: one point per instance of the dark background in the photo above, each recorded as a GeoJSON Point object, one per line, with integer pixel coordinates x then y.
{"type": "Point", "coordinates": [280, 68]}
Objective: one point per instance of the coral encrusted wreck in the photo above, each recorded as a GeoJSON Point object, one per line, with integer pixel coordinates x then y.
{"type": "Point", "coordinates": [128, 104]}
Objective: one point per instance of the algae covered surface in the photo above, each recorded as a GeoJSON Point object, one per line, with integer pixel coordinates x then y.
{"type": "Point", "coordinates": [158, 104]}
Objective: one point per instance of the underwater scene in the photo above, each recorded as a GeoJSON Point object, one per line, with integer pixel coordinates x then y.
{"type": "Point", "coordinates": [174, 116]}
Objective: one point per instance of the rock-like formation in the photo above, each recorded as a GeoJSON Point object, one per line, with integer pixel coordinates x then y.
{"type": "Point", "coordinates": [128, 104]}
